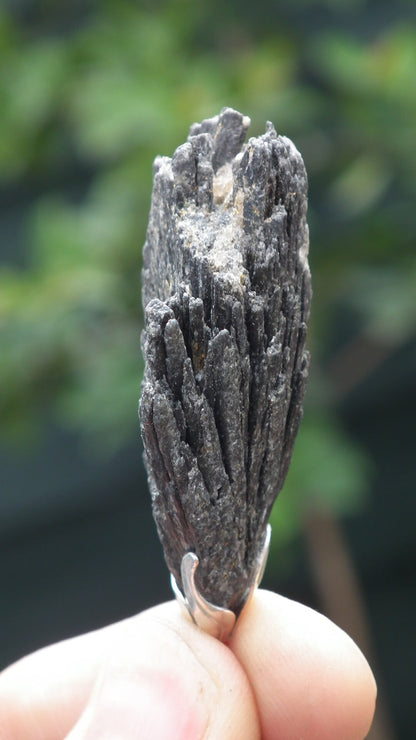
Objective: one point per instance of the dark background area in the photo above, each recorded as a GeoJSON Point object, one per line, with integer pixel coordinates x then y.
{"type": "Point", "coordinates": [90, 93]}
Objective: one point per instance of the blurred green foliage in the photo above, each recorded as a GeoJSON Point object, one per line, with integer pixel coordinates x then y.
{"type": "Point", "coordinates": [92, 94]}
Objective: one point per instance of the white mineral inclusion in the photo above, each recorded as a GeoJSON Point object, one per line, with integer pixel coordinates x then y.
{"type": "Point", "coordinates": [218, 234]}
{"type": "Point", "coordinates": [223, 185]}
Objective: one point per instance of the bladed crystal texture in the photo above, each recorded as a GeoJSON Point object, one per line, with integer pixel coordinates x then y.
{"type": "Point", "coordinates": [226, 292]}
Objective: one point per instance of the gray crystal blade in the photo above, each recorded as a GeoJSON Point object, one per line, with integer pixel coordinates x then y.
{"type": "Point", "coordinates": [226, 292]}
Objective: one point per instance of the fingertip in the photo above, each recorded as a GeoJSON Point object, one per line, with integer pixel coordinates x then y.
{"type": "Point", "coordinates": [155, 675]}
{"type": "Point", "coordinates": [309, 678]}
{"type": "Point", "coordinates": [230, 707]}
{"type": "Point", "coordinates": [42, 694]}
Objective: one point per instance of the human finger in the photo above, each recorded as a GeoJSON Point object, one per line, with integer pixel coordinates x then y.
{"type": "Point", "coordinates": [152, 676]}
{"type": "Point", "coordinates": [309, 678]}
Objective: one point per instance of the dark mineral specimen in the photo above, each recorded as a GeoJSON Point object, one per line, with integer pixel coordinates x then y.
{"type": "Point", "coordinates": [226, 291]}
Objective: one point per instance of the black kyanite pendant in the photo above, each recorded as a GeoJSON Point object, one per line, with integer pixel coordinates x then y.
{"type": "Point", "coordinates": [226, 291]}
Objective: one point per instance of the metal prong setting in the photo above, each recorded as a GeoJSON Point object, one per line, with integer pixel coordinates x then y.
{"type": "Point", "coordinates": [212, 619]}
{"type": "Point", "coordinates": [216, 621]}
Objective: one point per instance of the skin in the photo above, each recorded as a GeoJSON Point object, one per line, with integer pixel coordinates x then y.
{"type": "Point", "coordinates": [287, 673]}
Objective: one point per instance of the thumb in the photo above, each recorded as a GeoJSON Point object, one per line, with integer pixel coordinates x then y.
{"type": "Point", "coordinates": [152, 676]}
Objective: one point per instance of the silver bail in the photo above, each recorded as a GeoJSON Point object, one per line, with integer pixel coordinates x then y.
{"type": "Point", "coordinates": [214, 620]}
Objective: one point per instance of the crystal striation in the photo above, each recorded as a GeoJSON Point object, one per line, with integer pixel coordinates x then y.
{"type": "Point", "coordinates": [226, 292]}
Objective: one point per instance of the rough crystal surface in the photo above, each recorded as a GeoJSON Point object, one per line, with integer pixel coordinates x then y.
{"type": "Point", "coordinates": [226, 291]}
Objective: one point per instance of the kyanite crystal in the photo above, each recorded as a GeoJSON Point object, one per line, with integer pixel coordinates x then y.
{"type": "Point", "coordinates": [226, 292]}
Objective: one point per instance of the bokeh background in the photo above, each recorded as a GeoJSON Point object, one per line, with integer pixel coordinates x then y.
{"type": "Point", "coordinates": [90, 92]}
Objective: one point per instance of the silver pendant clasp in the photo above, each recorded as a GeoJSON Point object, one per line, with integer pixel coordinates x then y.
{"type": "Point", "coordinates": [214, 620]}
